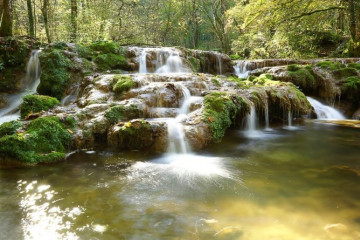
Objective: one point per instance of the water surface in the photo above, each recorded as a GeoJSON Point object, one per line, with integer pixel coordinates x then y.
{"type": "Point", "coordinates": [300, 184]}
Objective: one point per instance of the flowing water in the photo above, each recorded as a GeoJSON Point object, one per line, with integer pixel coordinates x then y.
{"type": "Point", "coordinates": [273, 188]}
{"type": "Point", "coordinates": [242, 69]}
{"type": "Point", "coordinates": [31, 82]}
{"type": "Point", "coordinates": [324, 111]}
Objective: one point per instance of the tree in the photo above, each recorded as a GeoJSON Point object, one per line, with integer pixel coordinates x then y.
{"type": "Point", "coordinates": [31, 18]}
{"type": "Point", "coordinates": [73, 19]}
{"type": "Point", "coordinates": [45, 13]}
{"type": "Point", "coordinates": [5, 18]}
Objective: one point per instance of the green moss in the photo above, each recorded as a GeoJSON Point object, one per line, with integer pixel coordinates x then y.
{"type": "Point", "coordinates": [330, 65]}
{"type": "Point", "coordinates": [36, 103]}
{"type": "Point", "coordinates": [354, 65]}
{"type": "Point", "coordinates": [123, 84]}
{"type": "Point", "coordinates": [69, 122]}
{"type": "Point", "coordinates": [220, 110]}
{"type": "Point", "coordinates": [215, 82]}
{"type": "Point", "coordinates": [350, 88]}
{"type": "Point", "coordinates": [60, 45]}
{"type": "Point", "coordinates": [9, 128]}
{"type": "Point", "coordinates": [345, 72]}
{"type": "Point", "coordinates": [104, 47]}
{"type": "Point", "coordinates": [45, 140]}
{"type": "Point", "coordinates": [110, 61]}
{"type": "Point", "coordinates": [135, 135]}
{"type": "Point", "coordinates": [55, 76]}
{"type": "Point", "coordinates": [301, 76]}
{"type": "Point", "coordinates": [122, 113]}
{"type": "Point", "coordinates": [293, 67]}
{"type": "Point", "coordinates": [195, 64]}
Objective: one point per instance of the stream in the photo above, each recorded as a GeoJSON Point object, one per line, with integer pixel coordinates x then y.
{"type": "Point", "coordinates": [299, 184]}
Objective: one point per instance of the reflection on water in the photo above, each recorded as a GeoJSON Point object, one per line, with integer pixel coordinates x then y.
{"type": "Point", "coordinates": [285, 185]}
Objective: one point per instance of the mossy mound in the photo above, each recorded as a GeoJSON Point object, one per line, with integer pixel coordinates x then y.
{"type": "Point", "coordinates": [350, 87]}
{"type": "Point", "coordinates": [344, 72]}
{"type": "Point", "coordinates": [122, 84]}
{"type": "Point", "coordinates": [123, 113]}
{"type": "Point", "coordinates": [36, 103]}
{"type": "Point", "coordinates": [301, 76]}
{"type": "Point", "coordinates": [9, 128]}
{"type": "Point", "coordinates": [106, 55]}
{"type": "Point", "coordinates": [45, 140]}
{"type": "Point", "coordinates": [330, 65]}
{"type": "Point", "coordinates": [136, 134]}
{"type": "Point", "coordinates": [55, 72]}
{"type": "Point", "coordinates": [110, 61]}
{"type": "Point", "coordinates": [220, 110]}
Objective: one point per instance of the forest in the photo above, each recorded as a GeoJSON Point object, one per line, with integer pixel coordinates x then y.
{"type": "Point", "coordinates": [243, 28]}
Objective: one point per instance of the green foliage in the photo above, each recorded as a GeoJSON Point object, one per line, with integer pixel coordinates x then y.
{"type": "Point", "coordinates": [60, 45]}
{"type": "Point", "coordinates": [104, 47]}
{"type": "Point", "coordinates": [45, 140]}
{"type": "Point", "coordinates": [55, 75]}
{"type": "Point", "coordinates": [121, 113]}
{"type": "Point", "coordinates": [9, 128]}
{"type": "Point", "coordinates": [36, 103]}
{"type": "Point", "coordinates": [235, 57]}
{"type": "Point", "coordinates": [219, 112]}
{"type": "Point", "coordinates": [123, 84]}
{"type": "Point", "coordinates": [110, 61]}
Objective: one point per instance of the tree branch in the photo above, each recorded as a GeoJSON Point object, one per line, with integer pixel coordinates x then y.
{"type": "Point", "coordinates": [311, 13]}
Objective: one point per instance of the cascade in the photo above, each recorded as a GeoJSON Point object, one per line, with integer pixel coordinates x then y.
{"type": "Point", "coordinates": [289, 119]}
{"type": "Point", "coordinates": [242, 69]}
{"type": "Point", "coordinates": [167, 60]}
{"type": "Point", "coordinates": [176, 136]}
{"type": "Point", "coordinates": [251, 124]}
{"type": "Point", "coordinates": [219, 63]}
{"type": "Point", "coordinates": [142, 62]}
{"type": "Point", "coordinates": [267, 125]}
{"type": "Point", "coordinates": [32, 80]}
{"type": "Point", "coordinates": [324, 111]}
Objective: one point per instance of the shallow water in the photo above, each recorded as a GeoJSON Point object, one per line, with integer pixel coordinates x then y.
{"type": "Point", "coordinates": [285, 185]}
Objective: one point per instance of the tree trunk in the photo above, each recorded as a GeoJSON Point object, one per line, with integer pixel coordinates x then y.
{"type": "Point", "coordinates": [45, 11]}
{"type": "Point", "coordinates": [73, 17]}
{"type": "Point", "coordinates": [5, 18]}
{"type": "Point", "coordinates": [31, 19]}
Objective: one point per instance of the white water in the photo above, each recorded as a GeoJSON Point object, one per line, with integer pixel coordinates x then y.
{"type": "Point", "coordinates": [167, 60]}
{"type": "Point", "coordinates": [251, 124]}
{"type": "Point", "coordinates": [32, 80]}
{"type": "Point", "coordinates": [219, 63]}
{"type": "Point", "coordinates": [324, 111]}
{"type": "Point", "coordinates": [242, 69]}
{"type": "Point", "coordinates": [142, 62]}
{"type": "Point", "coordinates": [176, 136]}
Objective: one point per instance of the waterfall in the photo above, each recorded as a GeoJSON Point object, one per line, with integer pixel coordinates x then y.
{"type": "Point", "coordinates": [251, 124]}
{"type": "Point", "coordinates": [142, 62]}
{"type": "Point", "coordinates": [289, 119]}
{"type": "Point", "coordinates": [324, 111]}
{"type": "Point", "coordinates": [176, 135]}
{"type": "Point", "coordinates": [242, 69]}
{"type": "Point", "coordinates": [219, 63]}
{"type": "Point", "coordinates": [173, 62]}
{"type": "Point", "coordinates": [31, 82]}
{"type": "Point", "coordinates": [267, 125]}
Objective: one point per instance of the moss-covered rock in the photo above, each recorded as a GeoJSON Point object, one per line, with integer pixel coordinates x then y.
{"type": "Point", "coordinates": [220, 110]}
{"type": "Point", "coordinates": [123, 84]}
{"type": "Point", "coordinates": [330, 65]}
{"type": "Point", "coordinates": [36, 103]}
{"type": "Point", "coordinates": [55, 72]}
{"type": "Point", "coordinates": [110, 61]}
{"type": "Point", "coordinates": [136, 134]}
{"type": "Point", "coordinates": [345, 72]}
{"type": "Point", "coordinates": [301, 76]}
{"type": "Point", "coordinates": [123, 113]}
{"type": "Point", "coordinates": [350, 87]}
{"type": "Point", "coordinates": [9, 128]}
{"type": "Point", "coordinates": [215, 81]}
{"type": "Point", "coordinates": [44, 140]}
